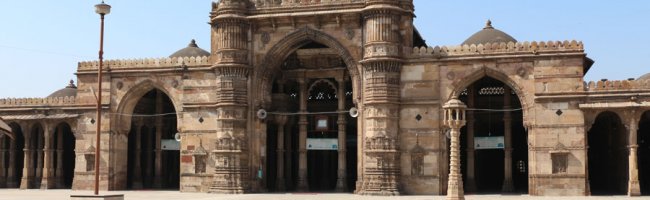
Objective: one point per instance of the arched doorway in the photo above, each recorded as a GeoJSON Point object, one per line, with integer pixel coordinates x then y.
{"type": "Point", "coordinates": [153, 154]}
{"type": "Point", "coordinates": [14, 155]}
{"type": "Point", "coordinates": [63, 144]}
{"type": "Point", "coordinates": [643, 153]}
{"type": "Point", "coordinates": [34, 145]}
{"type": "Point", "coordinates": [314, 93]}
{"type": "Point", "coordinates": [608, 155]}
{"type": "Point", "coordinates": [494, 147]}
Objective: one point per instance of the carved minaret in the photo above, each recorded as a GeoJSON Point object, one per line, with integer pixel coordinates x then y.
{"type": "Point", "coordinates": [382, 65]}
{"type": "Point", "coordinates": [232, 69]}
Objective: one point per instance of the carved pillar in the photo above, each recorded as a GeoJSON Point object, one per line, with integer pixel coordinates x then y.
{"type": "Point", "coordinates": [341, 181]}
{"type": "Point", "coordinates": [633, 186]}
{"type": "Point", "coordinates": [137, 158]}
{"type": "Point", "coordinates": [507, 126]}
{"type": "Point", "coordinates": [59, 159]}
{"type": "Point", "coordinates": [454, 118]}
{"type": "Point", "coordinates": [157, 179]}
{"type": "Point", "coordinates": [48, 179]}
{"type": "Point", "coordinates": [230, 30]}
{"type": "Point", "coordinates": [3, 156]}
{"type": "Point", "coordinates": [302, 138]}
{"type": "Point", "coordinates": [28, 174]}
{"type": "Point", "coordinates": [382, 65]}
{"type": "Point", "coordinates": [471, 100]}
{"type": "Point", "coordinates": [11, 172]}
{"type": "Point", "coordinates": [281, 120]}
{"type": "Point", "coordinates": [39, 156]}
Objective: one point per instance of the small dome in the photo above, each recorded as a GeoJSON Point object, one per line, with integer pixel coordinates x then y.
{"type": "Point", "coordinates": [68, 91]}
{"type": "Point", "coordinates": [489, 35]}
{"type": "Point", "coordinates": [644, 77]}
{"type": "Point", "coordinates": [192, 50]}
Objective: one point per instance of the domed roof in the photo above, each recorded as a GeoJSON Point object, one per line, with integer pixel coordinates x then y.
{"type": "Point", "coordinates": [644, 77]}
{"type": "Point", "coordinates": [192, 50]}
{"type": "Point", "coordinates": [489, 34]}
{"type": "Point", "coordinates": [70, 90]}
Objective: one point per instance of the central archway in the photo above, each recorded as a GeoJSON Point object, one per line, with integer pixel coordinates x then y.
{"type": "Point", "coordinates": [495, 147]}
{"type": "Point", "coordinates": [153, 154]}
{"type": "Point", "coordinates": [608, 155]}
{"type": "Point", "coordinates": [312, 87]}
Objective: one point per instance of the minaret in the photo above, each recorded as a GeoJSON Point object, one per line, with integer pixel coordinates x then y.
{"type": "Point", "coordinates": [230, 57]}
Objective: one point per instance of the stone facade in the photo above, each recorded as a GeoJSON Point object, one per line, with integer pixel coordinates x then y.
{"type": "Point", "coordinates": [301, 61]}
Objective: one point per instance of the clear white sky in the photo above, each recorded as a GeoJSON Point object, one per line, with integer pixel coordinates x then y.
{"type": "Point", "coordinates": [41, 41]}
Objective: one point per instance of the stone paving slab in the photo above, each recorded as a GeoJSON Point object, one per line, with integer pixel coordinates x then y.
{"type": "Point", "coordinates": [14, 194]}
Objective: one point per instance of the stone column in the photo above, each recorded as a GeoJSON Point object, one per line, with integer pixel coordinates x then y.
{"type": "Point", "coordinates": [281, 120]}
{"type": "Point", "coordinates": [3, 156]}
{"type": "Point", "coordinates": [48, 179]}
{"type": "Point", "coordinates": [39, 161]}
{"type": "Point", "coordinates": [471, 102]}
{"type": "Point", "coordinates": [59, 160]}
{"type": "Point", "coordinates": [230, 54]}
{"type": "Point", "coordinates": [507, 126]}
{"type": "Point", "coordinates": [633, 186]}
{"type": "Point", "coordinates": [454, 118]}
{"type": "Point", "coordinates": [28, 174]}
{"type": "Point", "coordinates": [302, 140]}
{"type": "Point", "coordinates": [341, 181]}
{"type": "Point", "coordinates": [137, 158]}
{"type": "Point", "coordinates": [11, 172]}
{"type": "Point", "coordinates": [157, 178]}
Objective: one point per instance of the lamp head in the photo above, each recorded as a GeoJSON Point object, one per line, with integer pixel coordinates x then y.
{"type": "Point", "coordinates": [102, 8]}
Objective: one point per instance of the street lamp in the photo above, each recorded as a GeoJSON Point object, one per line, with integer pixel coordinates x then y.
{"type": "Point", "coordinates": [454, 118]}
{"type": "Point", "coordinates": [101, 9]}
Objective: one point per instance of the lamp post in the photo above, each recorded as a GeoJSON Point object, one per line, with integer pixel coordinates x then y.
{"type": "Point", "coordinates": [455, 119]}
{"type": "Point", "coordinates": [102, 9]}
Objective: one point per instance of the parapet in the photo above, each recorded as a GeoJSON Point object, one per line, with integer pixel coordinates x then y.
{"type": "Point", "coordinates": [50, 101]}
{"type": "Point", "coordinates": [260, 4]}
{"type": "Point", "coordinates": [616, 85]}
{"type": "Point", "coordinates": [497, 48]}
{"type": "Point", "coordinates": [146, 63]}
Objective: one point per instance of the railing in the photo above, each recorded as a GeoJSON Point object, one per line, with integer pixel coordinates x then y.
{"type": "Point", "coordinates": [497, 48]}
{"type": "Point", "coordinates": [38, 101]}
{"type": "Point", "coordinates": [289, 3]}
{"type": "Point", "coordinates": [147, 63]}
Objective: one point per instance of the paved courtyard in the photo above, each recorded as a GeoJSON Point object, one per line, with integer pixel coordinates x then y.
{"type": "Point", "coordinates": [15, 194]}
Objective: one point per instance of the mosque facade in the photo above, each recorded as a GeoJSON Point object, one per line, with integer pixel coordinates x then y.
{"type": "Point", "coordinates": [337, 96]}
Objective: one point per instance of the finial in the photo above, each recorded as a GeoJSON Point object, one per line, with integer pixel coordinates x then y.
{"type": "Point", "coordinates": [71, 84]}
{"type": "Point", "coordinates": [193, 43]}
{"type": "Point", "coordinates": [488, 24]}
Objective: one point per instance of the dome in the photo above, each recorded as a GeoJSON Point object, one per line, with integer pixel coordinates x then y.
{"type": "Point", "coordinates": [644, 77]}
{"type": "Point", "coordinates": [192, 50]}
{"type": "Point", "coordinates": [70, 90]}
{"type": "Point", "coordinates": [489, 35]}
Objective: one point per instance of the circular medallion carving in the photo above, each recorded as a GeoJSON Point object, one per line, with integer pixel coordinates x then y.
{"type": "Point", "coordinates": [119, 85]}
{"type": "Point", "coordinates": [349, 33]}
{"type": "Point", "coordinates": [265, 37]}
{"type": "Point", "coordinates": [521, 72]}
{"type": "Point", "coordinates": [451, 75]}
{"type": "Point", "coordinates": [175, 83]}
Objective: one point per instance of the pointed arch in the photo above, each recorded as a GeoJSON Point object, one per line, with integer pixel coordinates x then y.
{"type": "Point", "coordinates": [270, 65]}
{"type": "Point", "coordinates": [459, 85]}
{"type": "Point", "coordinates": [129, 101]}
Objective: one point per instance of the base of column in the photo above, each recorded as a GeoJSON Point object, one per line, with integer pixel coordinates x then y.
{"type": "Point", "coordinates": [280, 185]}
{"type": "Point", "coordinates": [3, 182]}
{"type": "Point", "coordinates": [507, 186]}
{"type": "Point", "coordinates": [157, 182]}
{"type": "Point", "coordinates": [455, 191]}
{"type": "Point", "coordinates": [46, 183]}
{"type": "Point", "coordinates": [12, 183]}
{"type": "Point", "coordinates": [633, 188]}
{"type": "Point", "coordinates": [470, 185]}
{"type": "Point", "coordinates": [136, 185]}
{"type": "Point", "coordinates": [341, 185]}
{"type": "Point", "coordinates": [303, 186]}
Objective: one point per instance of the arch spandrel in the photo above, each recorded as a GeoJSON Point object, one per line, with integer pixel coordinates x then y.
{"type": "Point", "coordinates": [127, 102]}
{"type": "Point", "coordinates": [268, 67]}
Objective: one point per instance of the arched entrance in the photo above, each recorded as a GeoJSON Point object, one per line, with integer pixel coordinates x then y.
{"type": "Point", "coordinates": [311, 143]}
{"type": "Point", "coordinates": [153, 154]}
{"type": "Point", "coordinates": [63, 144]}
{"type": "Point", "coordinates": [34, 155]}
{"type": "Point", "coordinates": [643, 153]}
{"type": "Point", "coordinates": [14, 155]}
{"type": "Point", "coordinates": [494, 150]}
{"type": "Point", "coordinates": [608, 155]}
